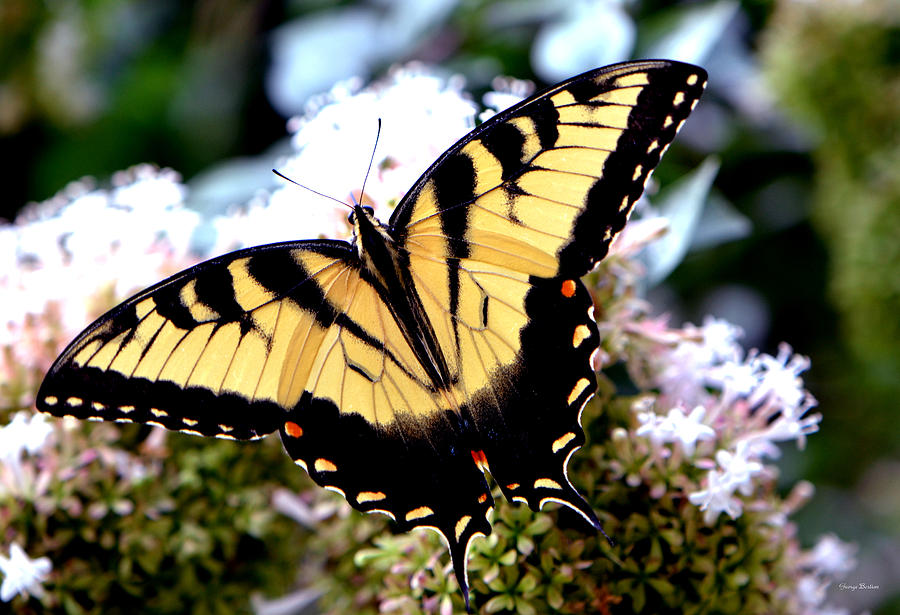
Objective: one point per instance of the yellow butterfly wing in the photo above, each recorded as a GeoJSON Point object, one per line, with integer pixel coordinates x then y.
{"type": "Point", "coordinates": [288, 337]}
{"type": "Point", "coordinates": [500, 229]}
{"type": "Point", "coordinates": [204, 351]}
{"type": "Point", "coordinates": [405, 418]}
{"type": "Point", "coordinates": [543, 187]}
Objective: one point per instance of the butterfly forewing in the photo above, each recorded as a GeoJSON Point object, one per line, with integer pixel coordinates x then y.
{"type": "Point", "coordinates": [204, 351]}
{"type": "Point", "coordinates": [543, 187]}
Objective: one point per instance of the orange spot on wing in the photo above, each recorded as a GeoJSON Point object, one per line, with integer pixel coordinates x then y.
{"type": "Point", "coordinates": [480, 460]}
{"type": "Point", "coordinates": [568, 288]}
{"type": "Point", "coordinates": [293, 429]}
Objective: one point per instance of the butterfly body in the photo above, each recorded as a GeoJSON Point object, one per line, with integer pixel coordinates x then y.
{"type": "Point", "coordinates": [385, 263]}
{"type": "Point", "coordinates": [453, 341]}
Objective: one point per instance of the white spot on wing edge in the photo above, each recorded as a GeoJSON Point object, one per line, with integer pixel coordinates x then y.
{"type": "Point", "coordinates": [337, 490]}
{"type": "Point", "coordinates": [383, 512]}
{"type": "Point", "coordinates": [594, 354]}
{"type": "Point", "coordinates": [567, 504]}
{"type": "Point", "coordinates": [565, 467]}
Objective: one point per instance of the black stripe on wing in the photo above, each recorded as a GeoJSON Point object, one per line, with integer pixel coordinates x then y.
{"type": "Point", "coordinates": [231, 317]}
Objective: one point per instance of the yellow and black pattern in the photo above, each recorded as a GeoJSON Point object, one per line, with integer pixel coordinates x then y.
{"type": "Point", "coordinates": [206, 351]}
{"type": "Point", "coordinates": [452, 343]}
{"type": "Point", "coordinates": [543, 187]}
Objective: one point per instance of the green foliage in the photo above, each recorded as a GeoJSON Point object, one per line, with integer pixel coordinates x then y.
{"type": "Point", "coordinates": [181, 526]}
{"type": "Point", "coordinates": [664, 560]}
{"type": "Point", "coordinates": [837, 68]}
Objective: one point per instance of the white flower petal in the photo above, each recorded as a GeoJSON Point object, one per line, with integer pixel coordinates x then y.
{"type": "Point", "coordinates": [22, 575]}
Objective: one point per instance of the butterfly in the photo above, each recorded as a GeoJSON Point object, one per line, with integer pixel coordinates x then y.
{"type": "Point", "coordinates": [403, 366]}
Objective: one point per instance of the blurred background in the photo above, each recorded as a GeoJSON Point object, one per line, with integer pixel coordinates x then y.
{"type": "Point", "coordinates": [798, 240]}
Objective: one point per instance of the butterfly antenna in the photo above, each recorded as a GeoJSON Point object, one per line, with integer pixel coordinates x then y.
{"type": "Point", "coordinates": [282, 176]}
{"type": "Point", "coordinates": [362, 193]}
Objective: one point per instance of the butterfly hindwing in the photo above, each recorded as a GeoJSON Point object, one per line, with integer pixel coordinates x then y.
{"type": "Point", "coordinates": [522, 366]}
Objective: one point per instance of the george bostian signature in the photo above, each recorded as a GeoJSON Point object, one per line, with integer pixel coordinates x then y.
{"type": "Point", "coordinates": [857, 586]}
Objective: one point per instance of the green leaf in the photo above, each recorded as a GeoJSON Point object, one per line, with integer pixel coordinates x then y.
{"type": "Point", "coordinates": [524, 545]}
{"type": "Point", "coordinates": [682, 204]}
{"type": "Point", "coordinates": [527, 584]}
{"type": "Point", "coordinates": [499, 603]}
{"type": "Point", "coordinates": [523, 607]}
{"type": "Point", "coordinates": [654, 559]}
{"type": "Point", "coordinates": [554, 597]}
{"type": "Point", "coordinates": [674, 538]}
{"type": "Point", "coordinates": [665, 589]}
{"type": "Point", "coordinates": [639, 597]}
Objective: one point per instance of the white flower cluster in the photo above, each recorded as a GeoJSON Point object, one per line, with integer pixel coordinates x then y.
{"type": "Point", "coordinates": [84, 238]}
{"type": "Point", "coordinates": [25, 433]}
{"type": "Point", "coordinates": [735, 469]}
{"type": "Point", "coordinates": [676, 427]}
{"type": "Point", "coordinates": [743, 405]}
{"type": "Point", "coordinates": [421, 116]}
{"type": "Point", "coordinates": [830, 559]}
{"type": "Point", "coordinates": [64, 251]}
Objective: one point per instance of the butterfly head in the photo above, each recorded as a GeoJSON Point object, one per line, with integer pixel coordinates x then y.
{"type": "Point", "coordinates": [366, 210]}
{"type": "Point", "coordinates": [374, 244]}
